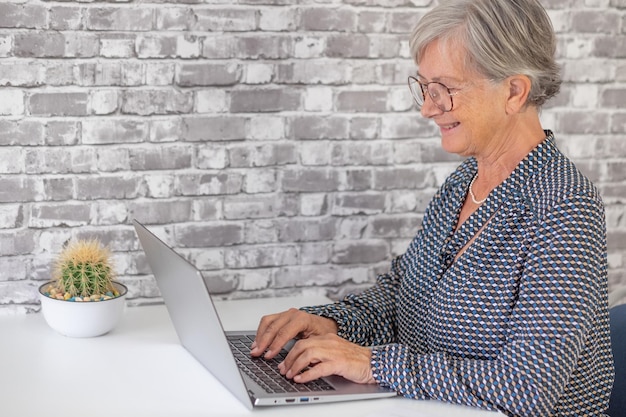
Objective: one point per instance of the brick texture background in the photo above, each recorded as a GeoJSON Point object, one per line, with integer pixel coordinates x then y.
{"type": "Point", "coordinates": [272, 142]}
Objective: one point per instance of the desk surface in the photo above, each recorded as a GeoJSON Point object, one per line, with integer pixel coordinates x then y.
{"type": "Point", "coordinates": [140, 369]}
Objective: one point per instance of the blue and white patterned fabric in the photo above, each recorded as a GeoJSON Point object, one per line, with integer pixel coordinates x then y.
{"type": "Point", "coordinates": [519, 322]}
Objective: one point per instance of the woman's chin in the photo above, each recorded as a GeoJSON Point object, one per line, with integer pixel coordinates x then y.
{"type": "Point", "coordinates": [452, 144]}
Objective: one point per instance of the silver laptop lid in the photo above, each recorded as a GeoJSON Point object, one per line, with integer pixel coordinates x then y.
{"type": "Point", "coordinates": [192, 312]}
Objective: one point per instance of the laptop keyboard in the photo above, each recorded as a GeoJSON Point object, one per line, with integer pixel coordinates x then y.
{"type": "Point", "coordinates": [265, 371]}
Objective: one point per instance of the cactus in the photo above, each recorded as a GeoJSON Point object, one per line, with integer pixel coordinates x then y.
{"type": "Point", "coordinates": [83, 269]}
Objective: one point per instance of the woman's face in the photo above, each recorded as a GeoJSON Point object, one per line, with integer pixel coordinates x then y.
{"type": "Point", "coordinates": [477, 117]}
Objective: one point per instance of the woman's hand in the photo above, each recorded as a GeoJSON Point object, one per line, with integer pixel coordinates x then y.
{"type": "Point", "coordinates": [325, 355]}
{"type": "Point", "coordinates": [276, 330]}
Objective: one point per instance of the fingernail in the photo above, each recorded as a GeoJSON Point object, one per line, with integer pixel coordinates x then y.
{"type": "Point", "coordinates": [267, 354]}
{"type": "Point", "coordinates": [253, 345]}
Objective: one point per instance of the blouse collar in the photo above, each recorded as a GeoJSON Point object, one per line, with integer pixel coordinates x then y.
{"type": "Point", "coordinates": [519, 178]}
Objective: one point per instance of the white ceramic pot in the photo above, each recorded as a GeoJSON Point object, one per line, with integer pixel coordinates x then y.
{"type": "Point", "coordinates": [83, 319]}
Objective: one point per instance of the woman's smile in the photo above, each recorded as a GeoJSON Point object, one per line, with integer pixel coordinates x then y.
{"type": "Point", "coordinates": [448, 127]}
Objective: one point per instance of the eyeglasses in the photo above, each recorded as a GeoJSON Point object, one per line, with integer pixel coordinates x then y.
{"type": "Point", "coordinates": [438, 93]}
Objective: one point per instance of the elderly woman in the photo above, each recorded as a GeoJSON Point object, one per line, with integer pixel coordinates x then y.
{"type": "Point", "coordinates": [500, 301]}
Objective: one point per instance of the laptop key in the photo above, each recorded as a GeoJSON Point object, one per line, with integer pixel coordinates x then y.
{"type": "Point", "coordinates": [265, 372]}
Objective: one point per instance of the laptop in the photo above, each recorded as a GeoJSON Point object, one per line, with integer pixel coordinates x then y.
{"type": "Point", "coordinates": [254, 381]}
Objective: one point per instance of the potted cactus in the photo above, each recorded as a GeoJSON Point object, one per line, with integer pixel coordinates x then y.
{"type": "Point", "coordinates": [82, 300]}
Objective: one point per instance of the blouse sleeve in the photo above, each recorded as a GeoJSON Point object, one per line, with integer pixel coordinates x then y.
{"type": "Point", "coordinates": [560, 293]}
{"type": "Point", "coordinates": [369, 318]}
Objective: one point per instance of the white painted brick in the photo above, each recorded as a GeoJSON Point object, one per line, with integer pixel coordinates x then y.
{"type": "Point", "coordinates": [399, 246]}
{"type": "Point", "coordinates": [52, 240]}
{"type": "Point", "coordinates": [315, 253]}
{"type": "Point", "coordinates": [578, 48]}
{"type": "Point", "coordinates": [22, 74]}
{"type": "Point", "coordinates": [560, 19]}
{"type": "Point", "coordinates": [260, 181]}
{"type": "Point", "coordinates": [158, 73]}
{"type": "Point", "coordinates": [13, 159]}
{"type": "Point", "coordinates": [133, 73]}
{"type": "Point", "coordinates": [206, 259]}
{"type": "Point", "coordinates": [159, 185]}
{"type": "Point", "coordinates": [579, 146]}
{"type": "Point", "coordinates": [11, 102]}
{"type": "Point", "coordinates": [55, 215]}
{"type": "Point", "coordinates": [5, 45]}
{"type": "Point", "coordinates": [236, 20]}
{"type": "Point", "coordinates": [318, 99]}
{"type": "Point", "coordinates": [597, 3]}
{"type": "Point", "coordinates": [211, 100]}
{"type": "Point", "coordinates": [365, 73]}
{"type": "Point", "coordinates": [212, 157]}
{"type": "Point", "coordinates": [615, 260]}
{"type": "Point", "coordinates": [401, 99]}
{"type": "Point", "coordinates": [264, 256]}
{"type": "Point", "coordinates": [309, 47]}
{"type": "Point", "coordinates": [585, 96]}
{"type": "Point", "coordinates": [405, 50]}
{"type": "Point", "coordinates": [313, 204]}
{"type": "Point", "coordinates": [188, 46]}
{"type": "Point", "coordinates": [104, 102]}
{"type": "Point", "coordinates": [81, 45]}
{"type": "Point", "coordinates": [220, 46]}
{"type": "Point", "coordinates": [165, 130]}
{"type": "Point", "coordinates": [258, 73]}
{"type": "Point", "coordinates": [65, 18]}
{"type": "Point", "coordinates": [111, 159]}
{"type": "Point", "coordinates": [352, 227]}
{"type": "Point", "coordinates": [620, 72]}
{"type": "Point", "coordinates": [316, 72]}
{"type": "Point", "coordinates": [207, 209]}
{"type": "Point", "coordinates": [615, 218]}
{"type": "Point", "coordinates": [254, 280]}
{"type": "Point", "coordinates": [173, 18]}
{"type": "Point", "coordinates": [278, 19]}
{"type": "Point", "coordinates": [261, 231]}
{"type": "Point", "coordinates": [264, 127]}
{"type": "Point", "coordinates": [315, 153]}
{"type": "Point", "coordinates": [100, 131]}
{"type": "Point", "coordinates": [111, 212]}
{"type": "Point", "coordinates": [122, 47]}
{"type": "Point", "coordinates": [587, 70]}
{"type": "Point", "coordinates": [10, 218]}
{"type": "Point", "coordinates": [251, 207]}
{"type": "Point", "coordinates": [402, 201]}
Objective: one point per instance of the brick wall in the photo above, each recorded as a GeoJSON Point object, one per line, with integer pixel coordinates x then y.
{"type": "Point", "coordinates": [271, 141]}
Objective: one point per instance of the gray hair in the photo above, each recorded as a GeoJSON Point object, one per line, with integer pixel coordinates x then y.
{"type": "Point", "coordinates": [502, 38]}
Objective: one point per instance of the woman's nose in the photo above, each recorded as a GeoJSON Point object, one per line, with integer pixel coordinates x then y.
{"type": "Point", "coordinates": [429, 108]}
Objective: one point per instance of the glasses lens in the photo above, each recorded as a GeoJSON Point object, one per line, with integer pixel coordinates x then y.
{"type": "Point", "coordinates": [440, 95]}
{"type": "Point", "coordinates": [416, 91]}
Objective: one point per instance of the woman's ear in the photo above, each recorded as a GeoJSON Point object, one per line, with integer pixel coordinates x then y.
{"type": "Point", "coordinates": [519, 89]}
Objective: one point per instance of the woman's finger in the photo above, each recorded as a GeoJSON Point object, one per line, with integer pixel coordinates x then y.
{"type": "Point", "coordinates": [275, 331]}
{"type": "Point", "coordinates": [327, 355]}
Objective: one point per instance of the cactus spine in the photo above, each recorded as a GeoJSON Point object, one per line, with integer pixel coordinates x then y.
{"type": "Point", "coordinates": [84, 269]}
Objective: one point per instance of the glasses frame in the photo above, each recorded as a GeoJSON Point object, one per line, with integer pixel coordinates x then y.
{"type": "Point", "coordinates": [424, 89]}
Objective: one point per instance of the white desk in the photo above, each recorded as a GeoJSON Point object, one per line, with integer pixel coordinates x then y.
{"type": "Point", "coordinates": [151, 375]}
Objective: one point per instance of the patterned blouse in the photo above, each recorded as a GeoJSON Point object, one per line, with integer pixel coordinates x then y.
{"type": "Point", "coordinates": [519, 322]}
